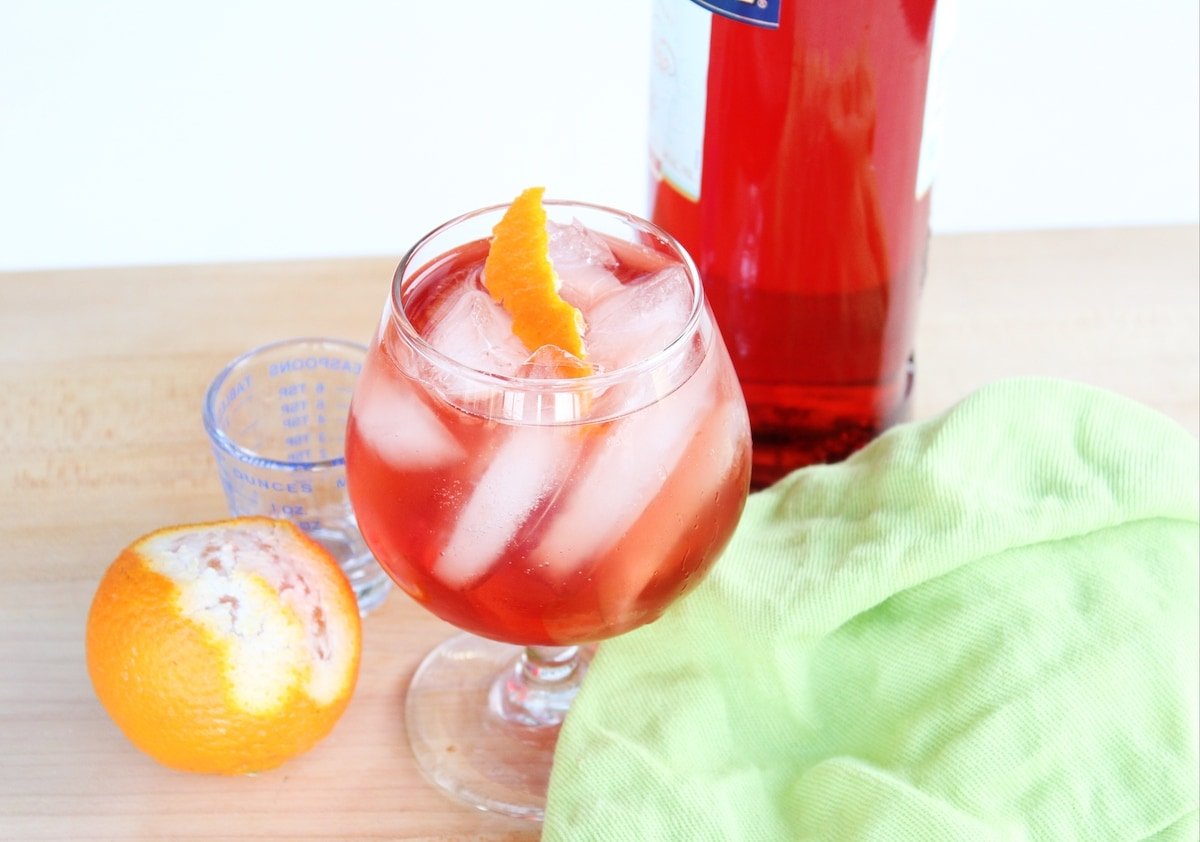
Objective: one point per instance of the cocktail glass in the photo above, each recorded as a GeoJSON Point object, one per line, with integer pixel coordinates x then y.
{"type": "Point", "coordinates": [540, 512]}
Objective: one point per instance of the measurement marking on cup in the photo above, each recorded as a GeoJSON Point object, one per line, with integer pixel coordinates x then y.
{"type": "Point", "coordinates": [313, 363]}
{"type": "Point", "coordinates": [294, 406]}
{"type": "Point", "coordinates": [299, 487]}
{"type": "Point", "coordinates": [231, 394]}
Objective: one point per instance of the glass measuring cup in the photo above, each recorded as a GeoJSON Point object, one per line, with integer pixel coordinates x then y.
{"type": "Point", "coordinates": [276, 419]}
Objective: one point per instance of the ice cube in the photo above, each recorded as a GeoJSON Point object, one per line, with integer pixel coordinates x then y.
{"type": "Point", "coordinates": [624, 474]}
{"type": "Point", "coordinates": [551, 362]}
{"type": "Point", "coordinates": [583, 262]}
{"type": "Point", "coordinates": [532, 406]}
{"type": "Point", "coordinates": [703, 469]}
{"type": "Point", "coordinates": [639, 319]}
{"type": "Point", "coordinates": [400, 427]}
{"type": "Point", "coordinates": [474, 330]}
{"type": "Point", "coordinates": [527, 466]}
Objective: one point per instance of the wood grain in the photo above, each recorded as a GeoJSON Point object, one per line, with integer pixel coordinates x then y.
{"type": "Point", "coordinates": [103, 373]}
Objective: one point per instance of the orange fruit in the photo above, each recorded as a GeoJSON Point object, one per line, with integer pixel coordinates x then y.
{"type": "Point", "coordinates": [519, 275]}
{"type": "Point", "coordinates": [224, 647]}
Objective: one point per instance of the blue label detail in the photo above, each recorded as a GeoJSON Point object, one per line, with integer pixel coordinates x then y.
{"type": "Point", "coordinates": [758, 12]}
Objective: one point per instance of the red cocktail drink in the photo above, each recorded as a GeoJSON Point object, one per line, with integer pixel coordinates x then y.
{"type": "Point", "coordinates": [550, 511]}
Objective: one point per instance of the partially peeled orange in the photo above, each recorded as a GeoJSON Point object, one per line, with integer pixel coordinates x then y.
{"type": "Point", "coordinates": [224, 647]}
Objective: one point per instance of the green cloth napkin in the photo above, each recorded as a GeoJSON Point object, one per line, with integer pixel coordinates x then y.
{"type": "Point", "coordinates": [980, 627]}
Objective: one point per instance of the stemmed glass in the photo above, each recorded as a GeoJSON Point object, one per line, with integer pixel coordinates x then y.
{"type": "Point", "coordinates": [540, 512]}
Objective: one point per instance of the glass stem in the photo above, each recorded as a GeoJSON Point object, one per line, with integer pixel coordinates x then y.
{"type": "Point", "coordinates": [537, 689]}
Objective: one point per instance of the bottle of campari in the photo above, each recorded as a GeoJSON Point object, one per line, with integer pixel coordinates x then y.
{"type": "Point", "coordinates": [791, 145]}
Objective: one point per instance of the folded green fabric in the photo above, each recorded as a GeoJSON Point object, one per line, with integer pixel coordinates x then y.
{"type": "Point", "coordinates": [984, 626]}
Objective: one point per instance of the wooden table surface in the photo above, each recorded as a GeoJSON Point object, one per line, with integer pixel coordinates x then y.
{"type": "Point", "coordinates": [102, 374]}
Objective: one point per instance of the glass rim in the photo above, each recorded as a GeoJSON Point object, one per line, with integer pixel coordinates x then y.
{"type": "Point", "coordinates": [513, 382]}
{"type": "Point", "coordinates": [216, 431]}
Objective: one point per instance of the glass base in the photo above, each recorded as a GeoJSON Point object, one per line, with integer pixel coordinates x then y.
{"type": "Point", "coordinates": [370, 583]}
{"type": "Point", "coordinates": [483, 720]}
{"type": "Point", "coordinates": [368, 580]}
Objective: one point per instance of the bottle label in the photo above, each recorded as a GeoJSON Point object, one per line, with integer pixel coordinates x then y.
{"type": "Point", "coordinates": [758, 12]}
{"type": "Point", "coordinates": [679, 93]}
{"type": "Point", "coordinates": [935, 96]}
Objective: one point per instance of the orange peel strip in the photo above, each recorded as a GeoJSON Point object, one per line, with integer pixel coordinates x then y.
{"type": "Point", "coordinates": [519, 275]}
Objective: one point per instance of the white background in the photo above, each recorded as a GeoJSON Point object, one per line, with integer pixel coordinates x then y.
{"type": "Point", "coordinates": [147, 132]}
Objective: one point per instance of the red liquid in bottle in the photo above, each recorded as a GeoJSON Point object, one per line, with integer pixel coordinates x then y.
{"type": "Point", "coordinates": [810, 227]}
